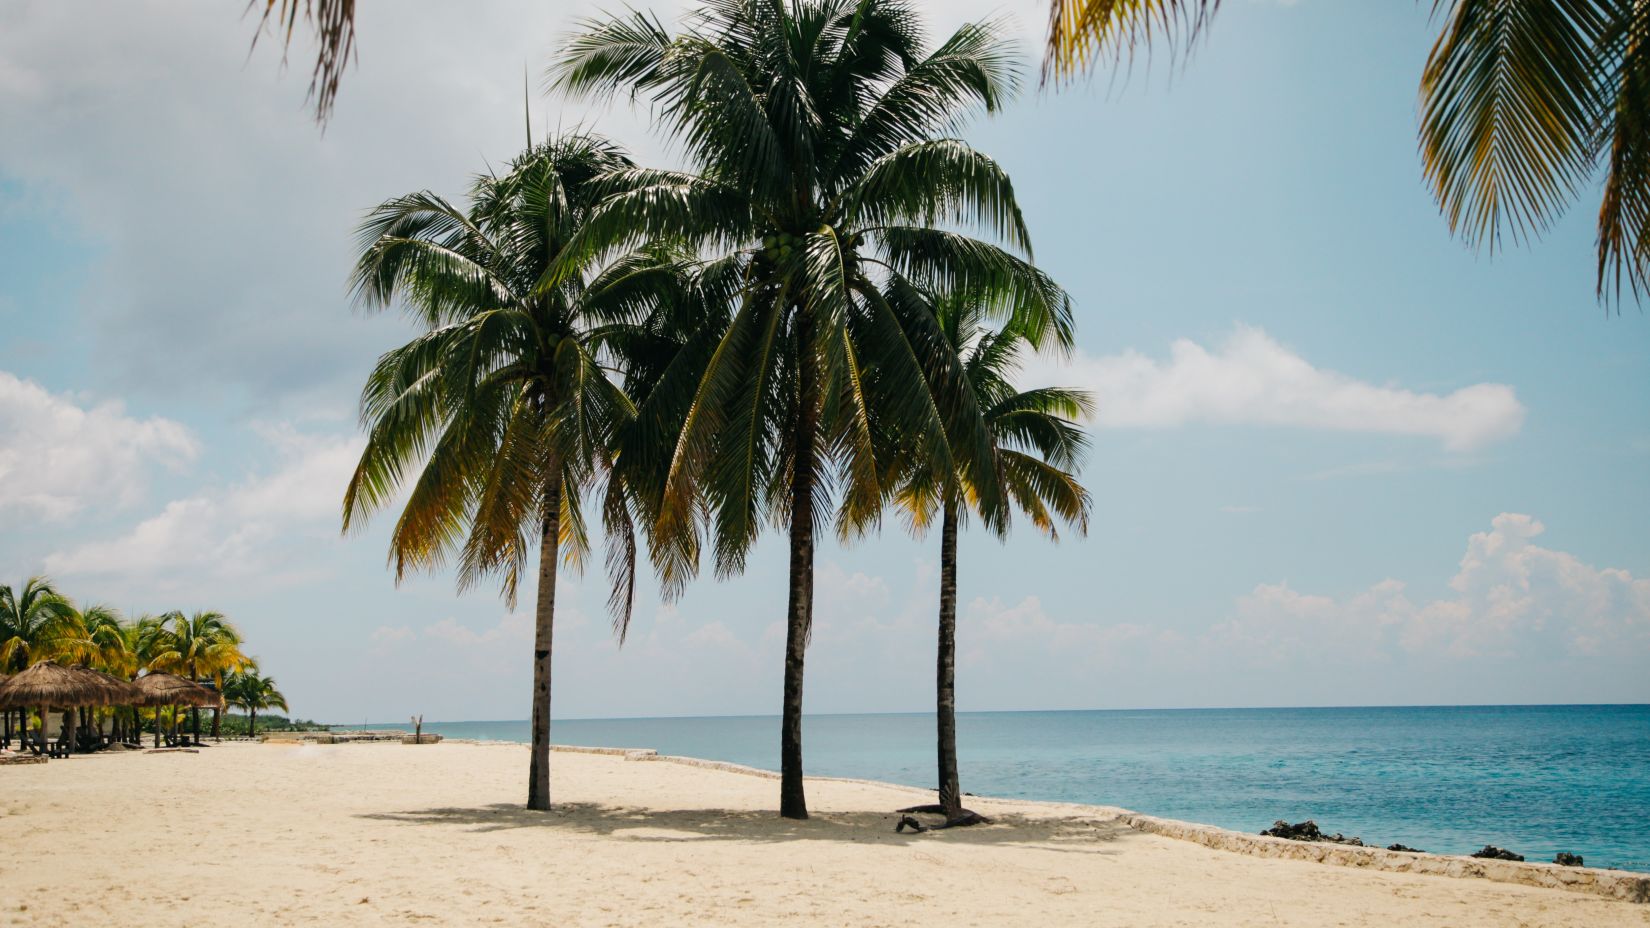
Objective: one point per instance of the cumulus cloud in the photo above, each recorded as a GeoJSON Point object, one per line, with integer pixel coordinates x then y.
{"type": "Point", "coordinates": [263, 527]}
{"type": "Point", "coordinates": [59, 455]}
{"type": "Point", "coordinates": [1252, 379]}
{"type": "Point", "coordinates": [1520, 621]}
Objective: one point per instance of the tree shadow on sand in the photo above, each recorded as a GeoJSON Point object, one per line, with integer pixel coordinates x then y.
{"type": "Point", "coordinates": [1076, 835]}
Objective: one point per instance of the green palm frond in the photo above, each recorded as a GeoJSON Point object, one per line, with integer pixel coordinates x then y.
{"type": "Point", "coordinates": [501, 409]}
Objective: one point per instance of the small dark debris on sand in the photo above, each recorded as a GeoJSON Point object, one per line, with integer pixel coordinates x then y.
{"type": "Point", "coordinates": [1491, 852]}
{"type": "Point", "coordinates": [1308, 831]}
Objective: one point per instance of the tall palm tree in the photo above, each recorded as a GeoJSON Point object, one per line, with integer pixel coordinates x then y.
{"type": "Point", "coordinates": [36, 623]}
{"type": "Point", "coordinates": [108, 649]}
{"type": "Point", "coordinates": [503, 398]}
{"type": "Point", "coordinates": [1523, 102]}
{"type": "Point", "coordinates": [203, 646]}
{"type": "Point", "coordinates": [825, 185]}
{"type": "Point", "coordinates": [252, 691]}
{"type": "Point", "coordinates": [1036, 445]}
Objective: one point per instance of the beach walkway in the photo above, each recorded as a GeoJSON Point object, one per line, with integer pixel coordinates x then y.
{"type": "Point", "coordinates": [386, 834]}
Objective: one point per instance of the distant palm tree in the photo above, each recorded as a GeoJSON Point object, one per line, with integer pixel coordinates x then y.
{"type": "Point", "coordinates": [502, 401]}
{"type": "Point", "coordinates": [201, 647]}
{"type": "Point", "coordinates": [1522, 102]}
{"type": "Point", "coordinates": [1037, 447]}
{"type": "Point", "coordinates": [825, 188]}
{"type": "Point", "coordinates": [252, 691]}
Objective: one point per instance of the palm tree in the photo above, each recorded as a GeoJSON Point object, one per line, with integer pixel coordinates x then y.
{"type": "Point", "coordinates": [502, 398]}
{"type": "Point", "coordinates": [1522, 103]}
{"type": "Point", "coordinates": [252, 691]}
{"type": "Point", "coordinates": [108, 649]}
{"type": "Point", "coordinates": [36, 623]}
{"type": "Point", "coordinates": [203, 646]}
{"type": "Point", "coordinates": [823, 187]}
{"type": "Point", "coordinates": [1037, 446]}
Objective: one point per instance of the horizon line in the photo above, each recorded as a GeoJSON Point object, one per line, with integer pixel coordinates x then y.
{"type": "Point", "coordinates": [808, 715]}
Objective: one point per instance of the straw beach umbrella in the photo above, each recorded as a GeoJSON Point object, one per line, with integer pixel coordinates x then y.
{"type": "Point", "coordinates": [121, 692]}
{"type": "Point", "coordinates": [156, 690]}
{"type": "Point", "coordinates": [49, 684]}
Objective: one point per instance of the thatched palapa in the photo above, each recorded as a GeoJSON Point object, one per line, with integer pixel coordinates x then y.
{"type": "Point", "coordinates": [49, 683]}
{"type": "Point", "coordinates": [121, 692]}
{"type": "Point", "coordinates": [166, 689]}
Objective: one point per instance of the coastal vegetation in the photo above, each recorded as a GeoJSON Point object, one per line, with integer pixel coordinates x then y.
{"type": "Point", "coordinates": [39, 624]}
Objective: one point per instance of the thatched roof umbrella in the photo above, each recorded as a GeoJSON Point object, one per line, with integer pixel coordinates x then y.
{"type": "Point", "coordinates": [50, 685]}
{"type": "Point", "coordinates": [167, 689]}
{"type": "Point", "coordinates": [158, 689]}
{"type": "Point", "coordinates": [121, 692]}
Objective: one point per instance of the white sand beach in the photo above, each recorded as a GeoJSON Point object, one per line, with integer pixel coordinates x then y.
{"type": "Point", "coordinates": [385, 834]}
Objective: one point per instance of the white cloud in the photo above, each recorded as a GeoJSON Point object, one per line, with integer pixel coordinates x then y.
{"type": "Point", "coordinates": [265, 527]}
{"type": "Point", "coordinates": [1510, 597]}
{"type": "Point", "coordinates": [59, 455]}
{"type": "Point", "coordinates": [1519, 622]}
{"type": "Point", "coordinates": [1252, 379]}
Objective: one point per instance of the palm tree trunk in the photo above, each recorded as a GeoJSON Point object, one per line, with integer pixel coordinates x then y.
{"type": "Point", "coordinates": [217, 720]}
{"type": "Point", "coordinates": [793, 800]}
{"type": "Point", "coordinates": [544, 620]}
{"type": "Point", "coordinates": [195, 711]}
{"type": "Point", "coordinates": [946, 668]}
{"type": "Point", "coordinates": [252, 723]}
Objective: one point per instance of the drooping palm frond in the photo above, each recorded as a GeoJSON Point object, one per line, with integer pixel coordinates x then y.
{"type": "Point", "coordinates": [1084, 32]}
{"type": "Point", "coordinates": [333, 22]}
{"type": "Point", "coordinates": [1510, 110]}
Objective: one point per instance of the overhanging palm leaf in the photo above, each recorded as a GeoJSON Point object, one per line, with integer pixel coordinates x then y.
{"type": "Point", "coordinates": [1522, 103]}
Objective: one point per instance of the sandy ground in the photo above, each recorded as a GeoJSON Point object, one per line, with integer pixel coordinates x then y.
{"type": "Point", "coordinates": [249, 834]}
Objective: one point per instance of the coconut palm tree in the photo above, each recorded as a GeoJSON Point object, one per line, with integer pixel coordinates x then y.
{"type": "Point", "coordinates": [1523, 102]}
{"type": "Point", "coordinates": [1037, 446]}
{"type": "Point", "coordinates": [824, 181]}
{"type": "Point", "coordinates": [502, 399]}
{"type": "Point", "coordinates": [252, 691]}
{"type": "Point", "coordinates": [36, 624]}
{"type": "Point", "coordinates": [108, 649]}
{"type": "Point", "coordinates": [203, 646]}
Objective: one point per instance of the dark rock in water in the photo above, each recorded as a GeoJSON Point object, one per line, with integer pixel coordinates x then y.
{"type": "Point", "coordinates": [1307, 831]}
{"type": "Point", "coordinates": [1404, 847]}
{"type": "Point", "coordinates": [1568, 860]}
{"type": "Point", "coordinates": [1491, 852]}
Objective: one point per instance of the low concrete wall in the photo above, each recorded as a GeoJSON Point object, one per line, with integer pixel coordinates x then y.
{"type": "Point", "coordinates": [1613, 884]}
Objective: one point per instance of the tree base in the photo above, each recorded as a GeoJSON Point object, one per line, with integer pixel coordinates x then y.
{"type": "Point", "coordinates": [961, 818]}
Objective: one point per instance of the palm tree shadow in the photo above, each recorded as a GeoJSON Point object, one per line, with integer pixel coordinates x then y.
{"type": "Point", "coordinates": [1076, 835]}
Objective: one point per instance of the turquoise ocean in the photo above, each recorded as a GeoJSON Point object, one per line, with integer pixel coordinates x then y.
{"type": "Point", "coordinates": [1532, 779]}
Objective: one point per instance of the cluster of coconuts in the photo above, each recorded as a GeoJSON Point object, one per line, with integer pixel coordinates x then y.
{"type": "Point", "coordinates": [778, 247]}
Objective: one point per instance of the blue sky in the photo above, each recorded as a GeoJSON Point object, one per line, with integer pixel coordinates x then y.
{"type": "Point", "coordinates": [1340, 457]}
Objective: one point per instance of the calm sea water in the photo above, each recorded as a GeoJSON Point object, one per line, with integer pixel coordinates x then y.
{"type": "Point", "coordinates": [1534, 779]}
